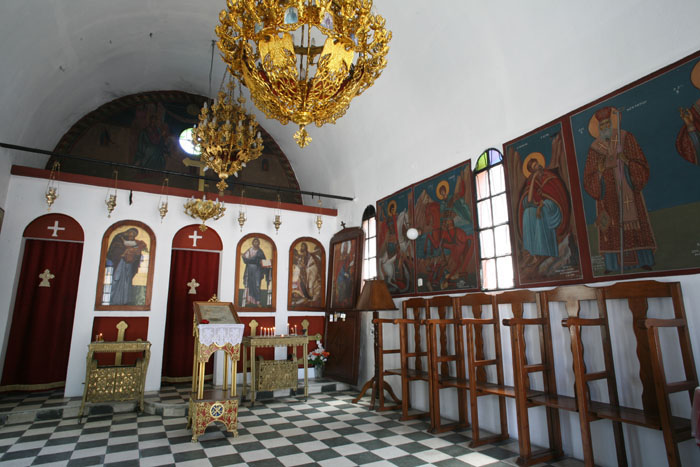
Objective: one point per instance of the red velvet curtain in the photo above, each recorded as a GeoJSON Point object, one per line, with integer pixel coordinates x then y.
{"type": "Point", "coordinates": [42, 321]}
{"type": "Point", "coordinates": [179, 342]}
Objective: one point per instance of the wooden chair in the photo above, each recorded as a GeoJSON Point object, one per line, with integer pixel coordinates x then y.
{"type": "Point", "coordinates": [438, 332]}
{"type": "Point", "coordinates": [414, 311]}
{"type": "Point", "coordinates": [656, 411]}
{"type": "Point", "coordinates": [522, 369]}
{"type": "Point", "coordinates": [478, 383]}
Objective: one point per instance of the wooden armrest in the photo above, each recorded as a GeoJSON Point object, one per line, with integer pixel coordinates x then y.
{"type": "Point", "coordinates": [662, 323]}
{"type": "Point", "coordinates": [407, 321]}
{"type": "Point", "coordinates": [582, 322]}
{"type": "Point", "coordinates": [515, 321]}
{"type": "Point", "coordinates": [478, 321]}
{"type": "Point", "coordinates": [442, 321]}
{"type": "Point", "coordinates": [383, 321]}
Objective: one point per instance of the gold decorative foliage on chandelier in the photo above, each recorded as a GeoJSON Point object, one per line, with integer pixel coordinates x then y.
{"type": "Point", "coordinates": [227, 136]}
{"type": "Point", "coordinates": [270, 45]}
{"type": "Point", "coordinates": [204, 209]}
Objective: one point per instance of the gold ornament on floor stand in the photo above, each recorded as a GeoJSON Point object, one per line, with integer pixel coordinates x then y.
{"type": "Point", "coordinates": [278, 216]}
{"type": "Point", "coordinates": [271, 47]}
{"type": "Point", "coordinates": [242, 211]}
{"type": "Point", "coordinates": [227, 136]}
{"type": "Point", "coordinates": [52, 188]}
{"type": "Point", "coordinates": [111, 200]}
{"type": "Point", "coordinates": [204, 209]}
{"type": "Point", "coordinates": [163, 205]}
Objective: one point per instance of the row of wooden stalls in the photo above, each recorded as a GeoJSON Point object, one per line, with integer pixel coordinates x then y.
{"type": "Point", "coordinates": [455, 342]}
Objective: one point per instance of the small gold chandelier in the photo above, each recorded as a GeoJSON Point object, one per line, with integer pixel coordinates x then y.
{"type": "Point", "coordinates": [227, 136]}
{"type": "Point", "coordinates": [271, 47]}
{"type": "Point", "coordinates": [204, 209]}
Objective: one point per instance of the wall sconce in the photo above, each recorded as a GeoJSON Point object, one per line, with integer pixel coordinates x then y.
{"type": "Point", "coordinates": [412, 233]}
{"type": "Point", "coordinates": [52, 188]}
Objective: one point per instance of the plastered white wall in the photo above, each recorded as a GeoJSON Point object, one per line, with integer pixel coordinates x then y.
{"type": "Point", "coordinates": [86, 205]}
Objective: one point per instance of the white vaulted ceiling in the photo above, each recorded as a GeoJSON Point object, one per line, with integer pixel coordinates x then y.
{"type": "Point", "coordinates": [462, 75]}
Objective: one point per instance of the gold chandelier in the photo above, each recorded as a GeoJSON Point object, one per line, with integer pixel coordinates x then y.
{"type": "Point", "coordinates": [227, 136]}
{"type": "Point", "coordinates": [204, 209]}
{"type": "Point", "coordinates": [270, 45]}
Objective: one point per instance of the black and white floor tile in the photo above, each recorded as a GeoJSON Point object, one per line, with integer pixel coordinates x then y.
{"type": "Point", "coordinates": [326, 430]}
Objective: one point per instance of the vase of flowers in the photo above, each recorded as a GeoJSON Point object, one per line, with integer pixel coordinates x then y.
{"type": "Point", "coordinates": [318, 358]}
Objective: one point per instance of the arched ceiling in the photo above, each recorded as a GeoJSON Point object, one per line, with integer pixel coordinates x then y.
{"type": "Point", "coordinates": [462, 75]}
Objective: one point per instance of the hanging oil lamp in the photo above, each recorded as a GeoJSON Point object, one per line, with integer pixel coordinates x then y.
{"type": "Point", "coordinates": [111, 200]}
{"type": "Point", "coordinates": [52, 188]}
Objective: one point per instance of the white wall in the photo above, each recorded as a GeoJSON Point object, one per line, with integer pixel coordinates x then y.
{"type": "Point", "coordinates": [86, 205]}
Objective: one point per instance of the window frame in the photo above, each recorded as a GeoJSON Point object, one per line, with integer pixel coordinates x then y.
{"type": "Point", "coordinates": [369, 216]}
{"type": "Point", "coordinates": [488, 168]}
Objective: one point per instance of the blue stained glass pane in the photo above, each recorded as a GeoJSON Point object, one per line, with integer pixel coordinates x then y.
{"type": "Point", "coordinates": [482, 162]}
{"type": "Point", "coordinates": [494, 156]}
{"type": "Point", "coordinates": [291, 16]}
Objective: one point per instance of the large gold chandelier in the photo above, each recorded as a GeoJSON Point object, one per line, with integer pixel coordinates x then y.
{"type": "Point", "coordinates": [271, 46]}
{"type": "Point", "coordinates": [227, 136]}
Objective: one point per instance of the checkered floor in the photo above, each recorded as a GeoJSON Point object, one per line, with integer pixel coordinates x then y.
{"type": "Point", "coordinates": [169, 393]}
{"type": "Point", "coordinates": [328, 429]}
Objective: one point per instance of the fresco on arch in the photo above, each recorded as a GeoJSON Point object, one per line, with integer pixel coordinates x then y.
{"type": "Point", "coordinates": [146, 130]}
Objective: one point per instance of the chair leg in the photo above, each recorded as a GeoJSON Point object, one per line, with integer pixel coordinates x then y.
{"type": "Point", "coordinates": [620, 444]}
{"type": "Point", "coordinates": [581, 396]}
{"type": "Point", "coordinates": [474, 418]}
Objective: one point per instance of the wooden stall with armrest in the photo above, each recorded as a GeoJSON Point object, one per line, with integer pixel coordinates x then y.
{"type": "Point", "coordinates": [656, 411]}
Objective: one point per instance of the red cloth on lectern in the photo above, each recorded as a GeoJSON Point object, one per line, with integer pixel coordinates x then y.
{"type": "Point", "coordinates": [42, 321]}
{"type": "Point", "coordinates": [179, 342]}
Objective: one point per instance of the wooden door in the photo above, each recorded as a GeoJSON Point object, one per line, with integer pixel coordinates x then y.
{"type": "Point", "coordinates": [343, 344]}
{"type": "Point", "coordinates": [342, 322]}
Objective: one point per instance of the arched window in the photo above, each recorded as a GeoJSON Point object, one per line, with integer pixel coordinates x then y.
{"type": "Point", "coordinates": [492, 214]}
{"type": "Point", "coordinates": [369, 227]}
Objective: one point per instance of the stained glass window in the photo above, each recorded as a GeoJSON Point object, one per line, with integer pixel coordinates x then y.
{"type": "Point", "coordinates": [492, 215]}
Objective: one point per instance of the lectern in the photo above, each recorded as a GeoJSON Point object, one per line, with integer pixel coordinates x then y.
{"type": "Point", "coordinates": [216, 328]}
